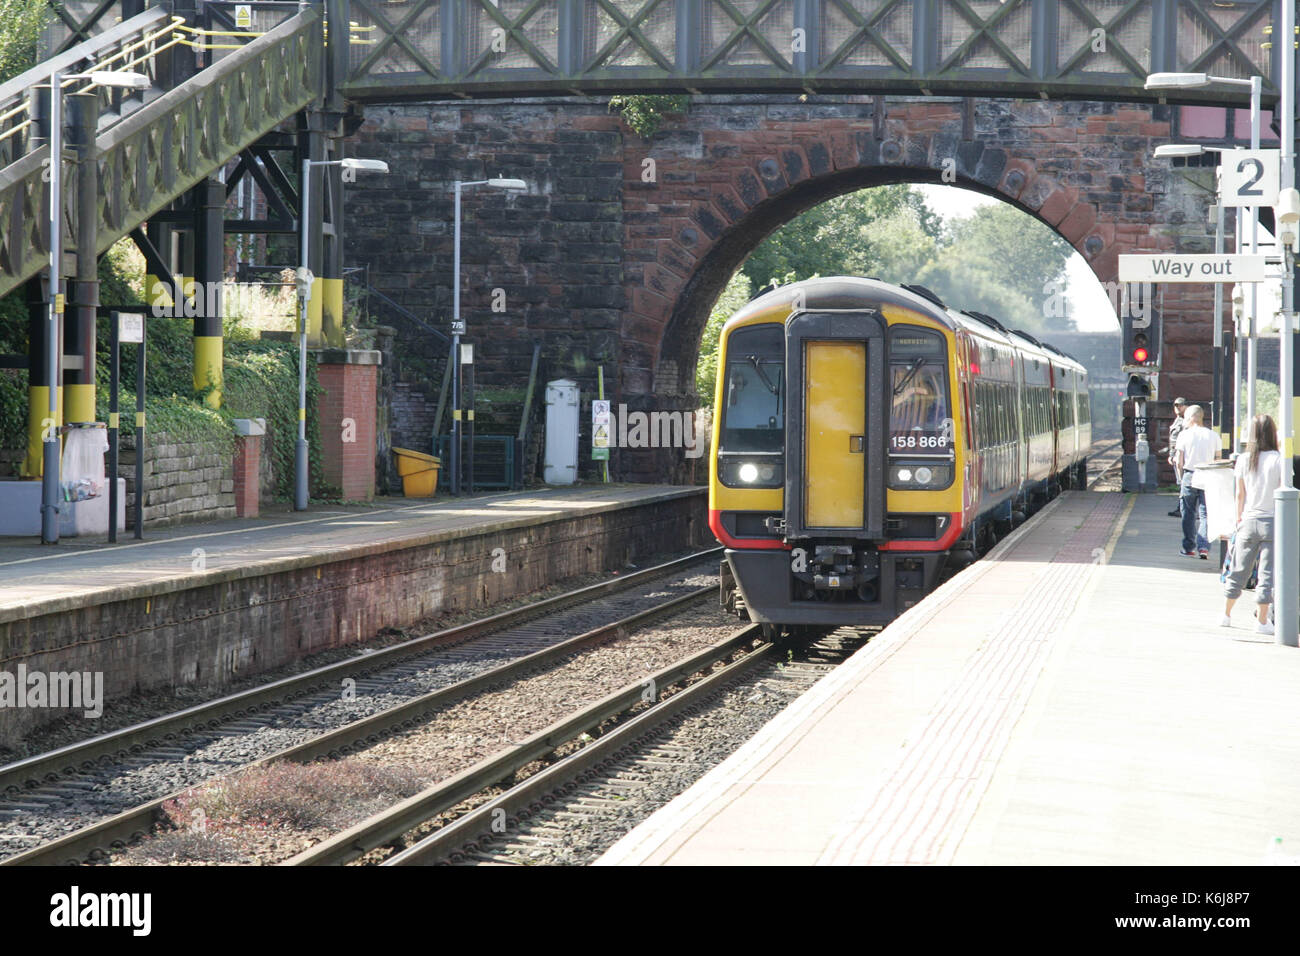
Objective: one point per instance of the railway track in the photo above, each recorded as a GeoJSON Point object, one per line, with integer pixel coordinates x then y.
{"type": "Point", "coordinates": [575, 809]}
{"type": "Point", "coordinates": [1104, 462]}
{"type": "Point", "coordinates": [100, 778]}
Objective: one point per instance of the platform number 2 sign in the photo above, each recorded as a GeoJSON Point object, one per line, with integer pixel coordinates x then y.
{"type": "Point", "coordinates": [1250, 177]}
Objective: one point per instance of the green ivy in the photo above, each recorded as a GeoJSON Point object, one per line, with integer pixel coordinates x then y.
{"type": "Point", "coordinates": [261, 381]}
{"type": "Point", "coordinates": [646, 114]}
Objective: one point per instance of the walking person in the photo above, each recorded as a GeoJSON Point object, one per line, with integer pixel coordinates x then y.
{"type": "Point", "coordinates": [1197, 446]}
{"type": "Point", "coordinates": [1258, 474]}
{"type": "Point", "coordinates": [1180, 406]}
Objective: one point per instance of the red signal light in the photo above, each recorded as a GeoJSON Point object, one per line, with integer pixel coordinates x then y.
{"type": "Point", "coordinates": [1140, 356]}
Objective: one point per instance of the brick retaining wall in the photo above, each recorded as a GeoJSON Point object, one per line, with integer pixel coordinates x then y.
{"type": "Point", "coordinates": [203, 629]}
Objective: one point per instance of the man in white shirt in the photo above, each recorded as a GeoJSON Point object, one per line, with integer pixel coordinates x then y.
{"type": "Point", "coordinates": [1197, 445]}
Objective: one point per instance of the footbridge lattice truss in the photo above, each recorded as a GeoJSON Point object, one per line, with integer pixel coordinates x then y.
{"type": "Point", "coordinates": [394, 50]}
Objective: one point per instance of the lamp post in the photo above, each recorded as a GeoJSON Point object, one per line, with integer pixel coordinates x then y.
{"type": "Point", "coordinates": [305, 279]}
{"type": "Point", "coordinates": [1286, 500]}
{"type": "Point", "coordinates": [457, 324]}
{"type": "Point", "coordinates": [53, 351]}
{"type": "Point", "coordinates": [1166, 81]}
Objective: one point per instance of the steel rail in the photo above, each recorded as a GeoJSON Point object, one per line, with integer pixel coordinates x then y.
{"type": "Point", "coordinates": [402, 817]}
{"type": "Point", "coordinates": [479, 821]}
{"type": "Point", "coordinates": [130, 824]}
{"type": "Point", "coordinates": [83, 754]}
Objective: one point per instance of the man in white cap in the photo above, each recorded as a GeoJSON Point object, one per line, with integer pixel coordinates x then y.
{"type": "Point", "coordinates": [1180, 406]}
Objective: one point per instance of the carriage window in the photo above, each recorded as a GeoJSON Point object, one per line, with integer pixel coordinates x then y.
{"type": "Point", "coordinates": [920, 420]}
{"type": "Point", "coordinates": [753, 408]}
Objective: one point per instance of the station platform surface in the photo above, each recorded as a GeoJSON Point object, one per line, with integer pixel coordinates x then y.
{"type": "Point", "coordinates": [36, 578]}
{"type": "Point", "coordinates": [1069, 699]}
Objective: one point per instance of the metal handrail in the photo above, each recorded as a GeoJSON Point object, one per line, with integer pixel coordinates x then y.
{"type": "Point", "coordinates": [14, 95]}
{"type": "Point", "coordinates": [82, 51]}
{"type": "Point", "coordinates": [405, 313]}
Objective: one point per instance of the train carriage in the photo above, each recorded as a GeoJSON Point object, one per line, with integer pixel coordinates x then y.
{"type": "Point", "coordinates": [866, 436]}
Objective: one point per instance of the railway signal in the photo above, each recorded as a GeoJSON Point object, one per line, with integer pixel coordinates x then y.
{"type": "Point", "coordinates": [1140, 330]}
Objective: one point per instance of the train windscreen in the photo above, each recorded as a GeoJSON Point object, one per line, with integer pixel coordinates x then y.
{"type": "Point", "coordinates": [920, 418]}
{"type": "Point", "coordinates": [753, 403]}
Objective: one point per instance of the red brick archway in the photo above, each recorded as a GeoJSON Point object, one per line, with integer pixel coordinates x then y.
{"type": "Point", "coordinates": [1084, 169]}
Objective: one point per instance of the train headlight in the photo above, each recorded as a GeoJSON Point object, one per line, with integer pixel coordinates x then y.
{"type": "Point", "coordinates": [751, 473]}
{"type": "Point", "coordinates": [930, 476]}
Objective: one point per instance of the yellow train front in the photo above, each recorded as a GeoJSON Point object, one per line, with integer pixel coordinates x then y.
{"type": "Point", "coordinates": [850, 461]}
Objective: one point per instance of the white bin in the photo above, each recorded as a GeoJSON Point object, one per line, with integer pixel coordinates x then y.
{"type": "Point", "coordinates": [1219, 485]}
{"type": "Point", "coordinates": [561, 464]}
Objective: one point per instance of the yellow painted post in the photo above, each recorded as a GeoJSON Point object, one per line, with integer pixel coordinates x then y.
{"type": "Point", "coordinates": [331, 333]}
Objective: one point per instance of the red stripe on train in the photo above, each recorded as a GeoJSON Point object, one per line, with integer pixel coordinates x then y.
{"type": "Point", "coordinates": [771, 544]}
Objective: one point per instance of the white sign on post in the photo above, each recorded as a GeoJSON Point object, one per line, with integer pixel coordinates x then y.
{"type": "Point", "coordinates": [130, 327]}
{"type": "Point", "coordinates": [1207, 268]}
{"type": "Point", "coordinates": [1250, 177]}
{"type": "Point", "coordinates": [600, 429]}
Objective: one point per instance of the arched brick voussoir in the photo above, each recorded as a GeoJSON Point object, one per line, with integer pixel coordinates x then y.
{"type": "Point", "coordinates": [818, 152]}
{"type": "Point", "coordinates": [662, 282]}
{"type": "Point", "coordinates": [748, 187]}
{"type": "Point", "coordinates": [728, 204]}
{"type": "Point", "coordinates": [1078, 222]}
{"type": "Point", "coordinates": [1106, 264]}
{"type": "Point", "coordinates": [646, 305]}
{"type": "Point", "coordinates": [1016, 175]}
{"type": "Point", "coordinates": [1058, 205]}
{"type": "Point", "coordinates": [1098, 239]}
{"type": "Point", "coordinates": [1038, 191]}
{"type": "Point", "coordinates": [771, 175]}
{"type": "Point", "coordinates": [844, 149]}
{"type": "Point", "coordinates": [794, 164]}
{"type": "Point", "coordinates": [676, 259]}
{"type": "Point", "coordinates": [710, 222]}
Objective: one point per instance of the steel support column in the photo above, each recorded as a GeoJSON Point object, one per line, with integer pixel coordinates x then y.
{"type": "Point", "coordinates": [330, 233]}
{"type": "Point", "coordinates": [83, 289]}
{"type": "Point", "coordinates": [311, 146]}
{"type": "Point", "coordinates": [209, 273]}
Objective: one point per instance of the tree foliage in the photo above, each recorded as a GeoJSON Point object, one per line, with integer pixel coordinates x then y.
{"type": "Point", "coordinates": [21, 22]}
{"type": "Point", "coordinates": [997, 260]}
{"type": "Point", "coordinates": [855, 234]}
{"type": "Point", "coordinates": [645, 114]}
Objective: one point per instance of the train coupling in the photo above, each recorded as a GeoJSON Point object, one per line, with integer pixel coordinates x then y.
{"type": "Point", "coordinates": [841, 567]}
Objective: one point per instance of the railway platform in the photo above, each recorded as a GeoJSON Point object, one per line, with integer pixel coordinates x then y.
{"type": "Point", "coordinates": [196, 605]}
{"type": "Point", "coordinates": [1071, 699]}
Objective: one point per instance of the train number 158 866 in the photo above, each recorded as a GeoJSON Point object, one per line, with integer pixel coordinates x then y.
{"type": "Point", "coordinates": [919, 441]}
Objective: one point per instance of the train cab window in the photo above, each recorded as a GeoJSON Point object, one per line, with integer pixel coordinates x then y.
{"type": "Point", "coordinates": [753, 395]}
{"type": "Point", "coordinates": [920, 416]}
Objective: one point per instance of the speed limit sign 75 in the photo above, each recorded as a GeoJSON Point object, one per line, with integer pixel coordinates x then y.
{"type": "Point", "coordinates": [1249, 177]}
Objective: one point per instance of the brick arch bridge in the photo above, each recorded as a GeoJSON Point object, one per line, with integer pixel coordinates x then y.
{"type": "Point", "coordinates": [606, 268]}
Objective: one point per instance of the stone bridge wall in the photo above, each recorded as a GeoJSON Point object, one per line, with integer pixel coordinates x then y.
{"type": "Point", "coordinates": [608, 266]}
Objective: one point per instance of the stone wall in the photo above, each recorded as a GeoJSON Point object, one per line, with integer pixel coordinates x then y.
{"type": "Point", "coordinates": [412, 411]}
{"type": "Point", "coordinates": [184, 481]}
{"type": "Point", "coordinates": [621, 244]}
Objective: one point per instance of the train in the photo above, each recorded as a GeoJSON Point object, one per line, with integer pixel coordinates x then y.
{"type": "Point", "coordinates": [866, 437]}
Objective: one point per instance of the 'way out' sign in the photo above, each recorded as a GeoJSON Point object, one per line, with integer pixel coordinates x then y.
{"type": "Point", "coordinates": [1209, 268]}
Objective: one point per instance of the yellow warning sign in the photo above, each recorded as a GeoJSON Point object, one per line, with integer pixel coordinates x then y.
{"type": "Point", "coordinates": [243, 16]}
{"type": "Point", "coordinates": [600, 437]}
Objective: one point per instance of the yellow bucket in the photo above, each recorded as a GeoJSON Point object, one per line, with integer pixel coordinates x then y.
{"type": "Point", "coordinates": [419, 472]}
